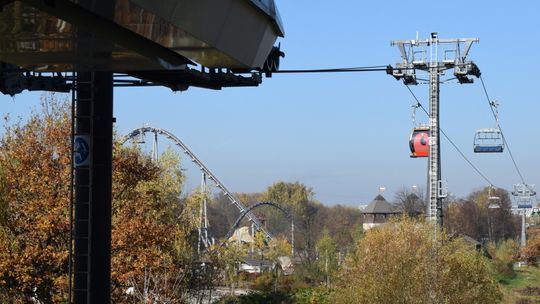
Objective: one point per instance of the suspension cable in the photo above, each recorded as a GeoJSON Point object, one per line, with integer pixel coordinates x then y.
{"type": "Point", "coordinates": [419, 104]}
{"type": "Point", "coordinates": [500, 130]}
{"type": "Point", "coordinates": [375, 68]}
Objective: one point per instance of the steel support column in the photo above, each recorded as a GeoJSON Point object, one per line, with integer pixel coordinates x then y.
{"type": "Point", "coordinates": [93, 185]}
{"type": "Point", "coordinates": [434, 162]}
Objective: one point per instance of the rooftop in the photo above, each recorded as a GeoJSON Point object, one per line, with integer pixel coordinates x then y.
{"type": "Point", "coordinates": [379, 205]}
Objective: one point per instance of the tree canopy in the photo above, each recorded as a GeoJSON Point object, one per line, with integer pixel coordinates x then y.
{"type": "Point", "coordinates": [402, 262]}
{"type": "Point", "coordinates": [152, 227]}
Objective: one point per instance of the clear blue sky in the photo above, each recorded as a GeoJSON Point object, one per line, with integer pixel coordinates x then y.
{"type": "Point", "coordinates": [347, 134]}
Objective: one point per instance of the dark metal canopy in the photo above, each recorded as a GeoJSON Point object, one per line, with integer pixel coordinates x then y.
{"type": "Point", "coordinates": [156, 41]}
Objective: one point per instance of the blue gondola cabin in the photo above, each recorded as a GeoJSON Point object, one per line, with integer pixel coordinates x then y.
{"type": "Point", "coordinates": [488, 141]}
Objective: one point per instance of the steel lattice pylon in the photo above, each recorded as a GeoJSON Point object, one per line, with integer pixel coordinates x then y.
{"type": "Point", "coordinates": [413, 60]}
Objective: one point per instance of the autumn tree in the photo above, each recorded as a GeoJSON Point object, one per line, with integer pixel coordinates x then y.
{"type": "Point", "coordinates": [341, 222]}
{"type": "Point", "coordinates": [410, 202]}
{"type": "Point", "coordinates": [531, 252]}
{"type": "Point", "coordinates": [402, 262]}
{"type": "Point", "coordinates": [34, 205]}
{"type": "Point", "coordinates": [299, 199]}
{"type": "Point", "coordinates": [476, 216]}
{"type": "Point", "coordinates": [153, 229]}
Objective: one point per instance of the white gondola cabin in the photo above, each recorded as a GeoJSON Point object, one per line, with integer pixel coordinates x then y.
{"type": "Point", "coordinates": [488, 141]}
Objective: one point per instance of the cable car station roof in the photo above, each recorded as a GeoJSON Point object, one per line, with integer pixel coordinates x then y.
{"type": "Point", "coordinates": [146, 36]}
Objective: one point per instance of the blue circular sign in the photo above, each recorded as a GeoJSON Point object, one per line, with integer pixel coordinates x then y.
{"type": "Point", "coordinates": [81, 151]}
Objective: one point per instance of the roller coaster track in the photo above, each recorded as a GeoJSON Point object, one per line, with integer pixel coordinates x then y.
{"type": "Point", "coordinates": [256, 205]}
{"type": "Point", "coordinates": [243, 211]}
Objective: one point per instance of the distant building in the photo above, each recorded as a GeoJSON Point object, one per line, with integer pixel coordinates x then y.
{"type": "Point", "coordinates": [254, 265]}
{"type": "Point", "coordinates": [251, 264]}
{"type": "Point", "coordinates": [377, 212]}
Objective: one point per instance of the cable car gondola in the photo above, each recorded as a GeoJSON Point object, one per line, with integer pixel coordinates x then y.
{"type": "Point", "coordinates": [493, 200]}
{"type": "Point", "coordinates": [419, 142]}
{"type": "Point", "coordinates": [489, 140]}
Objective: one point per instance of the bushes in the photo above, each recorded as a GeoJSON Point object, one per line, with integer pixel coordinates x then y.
{"type": "Point", "coordinates": [531, 252]}
{"type": "Point", "coordinates": [258, 298]}
{"type": "Point", "coordinates": [318, 295]}
{"type": "Point", "coordinates": [264, 283]}
{"type": "Point", "coordinates": [503, 257]}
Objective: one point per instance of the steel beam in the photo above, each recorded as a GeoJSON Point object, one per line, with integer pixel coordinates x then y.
{"type": "Point", "coordinates": [93, 185]}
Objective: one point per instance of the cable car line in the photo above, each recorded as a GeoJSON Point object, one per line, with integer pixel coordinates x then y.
{"type": "Point", "coordinates": [388, 69]}
{"type": "Point", "coordinates": [450, 141]}
{"type": "Point", "coordinates": [491, 105]}
{"type": "Point", "coordinates": [375, 68]}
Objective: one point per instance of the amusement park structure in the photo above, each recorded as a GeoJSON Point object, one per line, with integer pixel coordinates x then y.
{"type": "Point", "coordinates": [244, 213]}
{"type": "Point", "coordinates": [206, 174]}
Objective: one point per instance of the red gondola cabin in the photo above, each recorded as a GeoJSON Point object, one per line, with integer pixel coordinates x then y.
{"type": "Point", "coordinates": [419, 142]}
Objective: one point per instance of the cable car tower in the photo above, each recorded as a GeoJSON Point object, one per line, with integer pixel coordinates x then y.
{"type": "Point", "coordinates": [524, 195]}
{"type": "Point", "coordinates": [414, 57]}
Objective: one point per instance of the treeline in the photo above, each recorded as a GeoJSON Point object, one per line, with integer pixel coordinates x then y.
{"type": "Point", "coordinates": [484, 215]}
{"type": "Point", "coordinates": [310, 216]}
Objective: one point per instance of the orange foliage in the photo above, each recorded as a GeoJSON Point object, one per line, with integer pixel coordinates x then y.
{"type": "Point", "coordinates": [35, 203]}
{"type": "Point", "coordinates": [531, 252]}
{"type": "Point", "coordinates": [150, 237]}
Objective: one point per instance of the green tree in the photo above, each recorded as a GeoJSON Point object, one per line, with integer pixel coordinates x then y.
{"type": "Point", "coordinates": [327, 260]}
{"type": "Point", "coordinates": [153, 230]}
{"type": "Point", "coordinates": [403, 263]}
{"type": "Point", "coordinates": [231, 258]}
{"type": "Point", "coordinates": [298, 198]}
{"type": "Point", "coordinates": [503, 256]}
{"type": "Point", "coordinates": [277, 248]}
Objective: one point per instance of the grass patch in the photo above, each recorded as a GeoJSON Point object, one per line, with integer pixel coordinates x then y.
{"type": "Point", "coordinates": [524, 288]}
